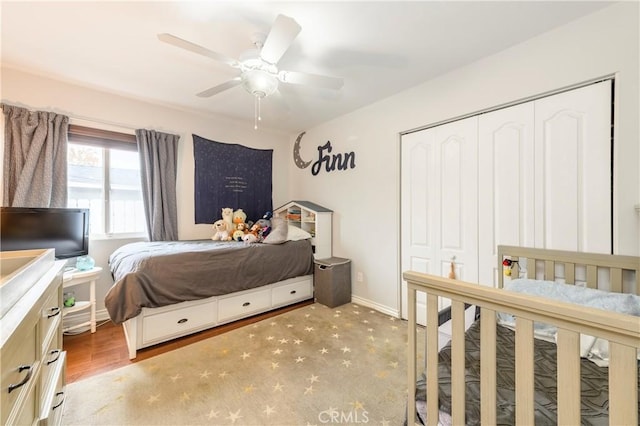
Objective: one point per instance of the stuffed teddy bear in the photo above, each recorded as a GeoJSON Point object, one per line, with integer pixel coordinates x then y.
{"type": "Point", "coordinates": [221, 231]}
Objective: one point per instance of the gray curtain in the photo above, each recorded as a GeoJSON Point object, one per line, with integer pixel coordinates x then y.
{"type": "Point", "coordinates": [158, 163]}
{"type": "Point", "coordinates": [35, 158]}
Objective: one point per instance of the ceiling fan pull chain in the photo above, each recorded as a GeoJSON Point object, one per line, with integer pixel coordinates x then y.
{"type": "Point", "coordinates": [256, 112]}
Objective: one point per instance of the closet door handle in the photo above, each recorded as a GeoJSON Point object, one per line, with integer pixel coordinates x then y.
{"type": "Point", "coordinates": [182, 321]}
{"type": "Point", "coordinates": [24, 381]}
{"type": "Point", "coordinates": [245, 304]}
{"type": "Point", "coordinates": [292, 292]}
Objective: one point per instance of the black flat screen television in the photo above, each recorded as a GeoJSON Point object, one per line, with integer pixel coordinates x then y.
{"type": "Point", "coordinates": [27, 228]}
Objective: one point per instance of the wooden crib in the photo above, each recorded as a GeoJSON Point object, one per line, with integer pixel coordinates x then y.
{"type": "Point", "coordinates": [620, 330]}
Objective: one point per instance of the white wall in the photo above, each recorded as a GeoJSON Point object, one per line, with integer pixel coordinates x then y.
{"type": "Point", "coordinates": [35, 92]}
{"type": "Point", "coordinates": [366, 199]}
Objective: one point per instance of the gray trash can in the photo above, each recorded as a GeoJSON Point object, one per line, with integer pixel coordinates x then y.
{"type": "Point", "coordinates": [332, 281]}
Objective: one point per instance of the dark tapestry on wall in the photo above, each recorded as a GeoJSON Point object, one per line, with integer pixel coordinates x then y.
{"type": "Point", "coordinates": [231, 175]}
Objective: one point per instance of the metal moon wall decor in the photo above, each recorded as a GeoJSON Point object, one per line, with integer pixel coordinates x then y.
{"type": "Point", "coordinates": [331, 162]}
{"type": "Point", "coordinates": [296, 153]}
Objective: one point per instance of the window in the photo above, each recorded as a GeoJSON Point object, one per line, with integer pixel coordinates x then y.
{"type": "Point", "coordinates": [104, 175]}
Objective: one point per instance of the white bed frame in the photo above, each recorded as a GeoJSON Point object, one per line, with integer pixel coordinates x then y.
{"type": "Point", "coordinates": [157, 325]}
{"type": "Point", "coordinates": [622, 332]}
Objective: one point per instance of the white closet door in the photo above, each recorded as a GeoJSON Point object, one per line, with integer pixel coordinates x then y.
{"type": "Point", "coordinates": [505, 185]}
{"type": "Point", "coordinates": [439, 202]}
{"type": "Point", "coordinates": [573, 170]}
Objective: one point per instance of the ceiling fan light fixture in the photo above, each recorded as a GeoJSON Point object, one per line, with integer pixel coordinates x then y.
{"type": "Point", "coordinates": [259, 83]}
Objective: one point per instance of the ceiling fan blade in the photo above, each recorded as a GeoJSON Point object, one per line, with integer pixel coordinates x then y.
{"type": "Point", "coordinates": [282, 34]}
{"type": "Point", "coordinates": [220, 88]}
{"type": "Point", "coordinates": [192, 47]}
{"type": "Point", "coordinates": [323, 81]}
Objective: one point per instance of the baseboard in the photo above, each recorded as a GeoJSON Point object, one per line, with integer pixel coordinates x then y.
{"type": "Point", "coordinates": [373, 305]}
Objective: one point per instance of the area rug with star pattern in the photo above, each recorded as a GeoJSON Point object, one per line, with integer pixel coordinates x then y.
{"type": "Point", "coordinates": [310, 366]}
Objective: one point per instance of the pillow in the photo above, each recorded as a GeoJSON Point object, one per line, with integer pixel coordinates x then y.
{"type": "Point", "coordinates": [294, 234]}
{"type": "Point", "coordinates": [278, 234]}
{"type": "Point", "coordinates": [623, 303]}
{"type": "Point", "coordinates": [592, 348]}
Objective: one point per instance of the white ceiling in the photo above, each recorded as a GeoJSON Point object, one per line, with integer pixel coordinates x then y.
{"type": "Point", "coordinates": [379, 48]}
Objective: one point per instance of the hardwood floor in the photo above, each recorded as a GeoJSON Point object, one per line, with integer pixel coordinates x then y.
{"type": "Point", "coordinates": [89, 354]}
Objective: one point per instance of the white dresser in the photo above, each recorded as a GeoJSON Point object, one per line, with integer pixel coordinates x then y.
{"type": "Point", "coordinates": [32, 360]}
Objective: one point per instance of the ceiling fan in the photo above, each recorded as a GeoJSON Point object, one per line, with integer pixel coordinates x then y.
{"type": "Point", "coordinates": [259, 73]}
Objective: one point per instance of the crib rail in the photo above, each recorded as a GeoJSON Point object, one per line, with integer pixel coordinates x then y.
{"type": "Point", "coordinates": [622, 332]}
{"type": "Point", "coordinates": [615, 265]}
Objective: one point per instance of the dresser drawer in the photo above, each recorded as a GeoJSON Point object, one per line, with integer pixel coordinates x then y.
{"type": "Point", "coordinates": [29, 411]}
{"type": "Point", "coordinates": [51, 358]}
{"type": "Point", "coordinates": [53, 396]}
{"type": "Point", "coordinates": [285, 294]}
{"type": "Point", "coordinates": [186, 317]}
{"type": "Point", "coordinates": [50, 319]}
{"type": "Point", "coordinates": [243, 304]}
{"type": "Point", "coordinates": [19, 372]}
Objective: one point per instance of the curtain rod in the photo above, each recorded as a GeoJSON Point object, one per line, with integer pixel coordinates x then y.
{"type": "Point", "coordinates": [115, 127]}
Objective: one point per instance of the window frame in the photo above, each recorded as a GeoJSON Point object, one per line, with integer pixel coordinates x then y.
{"type": "Point", "coordinates": [105, 140]}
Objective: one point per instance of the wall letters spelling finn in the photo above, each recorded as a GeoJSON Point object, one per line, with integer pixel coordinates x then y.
{"type": "Point", "coordinates": [332, 162]}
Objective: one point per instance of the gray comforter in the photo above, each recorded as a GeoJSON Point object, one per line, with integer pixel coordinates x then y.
{"type": "Point", "coordinates": [154, 274]}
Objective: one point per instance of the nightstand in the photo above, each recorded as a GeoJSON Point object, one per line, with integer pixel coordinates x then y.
{"type": "Point", "coordinates": [74, 278]}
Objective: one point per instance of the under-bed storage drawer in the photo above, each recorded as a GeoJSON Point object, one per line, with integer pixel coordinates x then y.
{"type": "Point", "coordinates": [288, 293]}
{"type": "Point", "coordinates": [243, 304]}
{"type": "Point", "coordinates": [187, 316]}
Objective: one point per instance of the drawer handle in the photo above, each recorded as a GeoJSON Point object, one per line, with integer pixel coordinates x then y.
{"type": "Point", "coordinates": [24, 381]}
{"type": "Point", "coordinates": [182, 321]}
{"type": "Point", "coordinates": [292, 292]}
{"type": "Point", "coordinates": [54, 311]}
{"type": "Point", "coordinates": [61, 400]}
{"type": "Point", "coordinates": [245, 304]}
{"type": "Point", "coordinates": [54, 352]}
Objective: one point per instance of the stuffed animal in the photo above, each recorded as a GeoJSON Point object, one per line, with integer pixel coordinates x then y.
{"type": "Point", "coordinates": [221, 233]}
{"type": "Point", "coordinates": [239, 225]}
{"type": "Point", "coordinates": [254, 234]}
{"type": "Point", "coordinates": [249, 238]}
{"type": "Point", "coordinates": [265, 224]}
{"type": "Point", "coordinates": [241, 230]}
{"type": "Point", "coordinates": [239, 216]}
{"type": "Point", "coordinates": [227, 216]}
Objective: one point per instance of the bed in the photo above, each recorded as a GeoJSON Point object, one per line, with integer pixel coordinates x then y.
{"type": "Point", "coordinates": [164, 290]}
{"type": "Point", "coordinates": [530, 359]}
